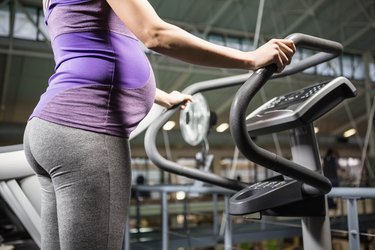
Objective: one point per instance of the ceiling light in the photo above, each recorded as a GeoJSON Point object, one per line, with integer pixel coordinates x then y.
{"type": "Point", "coordinates": [169, 125]}
{"type": "Point", "coordinates": [222, 127]}
{"type": "Point", "coordinates": [316, 130]}
{"type": "Point", "coordinates": [180, 195]}
{"type": "Point", "coordinates": [349, 132]}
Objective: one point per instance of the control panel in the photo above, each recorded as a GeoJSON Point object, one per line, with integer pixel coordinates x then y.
{"type": "Point", "coordinates": [290, 101]}
{"type": "Point", "coordinates": [299, 107]}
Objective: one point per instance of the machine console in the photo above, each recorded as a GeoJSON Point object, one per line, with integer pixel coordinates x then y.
{"type": "Point", "coordinates": [292, 100]}
{"type": "Point", "coordinates": [299, 107]}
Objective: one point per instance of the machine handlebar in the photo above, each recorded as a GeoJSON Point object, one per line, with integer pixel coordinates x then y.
{"type": "Point", "coordinates": [330, 50]}
{"type": "Point", "coordinates": [317, 182]}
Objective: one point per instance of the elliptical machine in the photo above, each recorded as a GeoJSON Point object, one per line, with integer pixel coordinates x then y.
{"type": "Point", "coordinates": [301, 192]}
{"type": "Point", "coordinates": [303, 185]}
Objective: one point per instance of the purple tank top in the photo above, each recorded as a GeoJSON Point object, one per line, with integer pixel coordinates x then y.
{"type": "Point", "coordinates": [103, 81]}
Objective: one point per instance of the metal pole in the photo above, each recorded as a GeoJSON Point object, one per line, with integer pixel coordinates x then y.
{"type": "Point", "coordinates": [233, 168]}
{"type": "Point", "coordinates": [369, 88]}
{"type": "Point", "coordinates": [215, 215]}
{"type": "Point", "coordinates": [228, 226]}
{"type": "Point", "coordinates": [126, 243]}
{"type": "Point", "coordinates": [164, 212]}
{"type": "Point", "coordinates": [353, 226]}
{"type": "Point", "coordinates": [138, 213]}
{"type": "Point", "coordinates": [368, 153]}
{"type": "Point", "coordinates": [349, 192]}
{"type": "Point", "coordinates": [169, 156]}
{"type": "Point", "coordinates": [315, 230]}
{"type": "Point", "coordinates": [258, 24]}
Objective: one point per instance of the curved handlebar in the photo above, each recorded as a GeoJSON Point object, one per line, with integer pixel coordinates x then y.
{"type": "Point", "coordinates": [248, 90]}
{"type": "Point", "coordinates": [331, 49]}
{"type": "Point", "coordinates": [327, 51]}
{"type": "Point", "coordinates": [173, 167]}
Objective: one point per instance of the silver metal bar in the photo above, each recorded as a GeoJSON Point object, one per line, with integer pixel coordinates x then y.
{"type": "Point", "coordinates": [353, 225]}
{"type": "Point", "coordinates": [369, 60]}
{"type": "Point", "coordinates": [167, 145]}
{"type": "Point", "coordinates": [126, 243]}
{"type": "Point", "coordinates": [315, 230]}
{"type": "Point", "coordinates": [228, 226]}
{"type": "Point", "coordinates": [348, 193]}
{"type": "Point", "coordinates": [18, 52]}
{"type": "Point", "coordinates": [185, 188]}
{"type": "Point", "coordinates": [342, 192]}
{"type": "Point", "coordinates": [165, 229]}
{"type": "Point", "coordinates": [258, 24]}
{"type": "Point", "coordinates": [215, 224]}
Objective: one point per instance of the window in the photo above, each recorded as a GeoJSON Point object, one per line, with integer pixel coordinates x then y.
{"type": "Point", "coordinates": [347, 67]}
{"type": "Point", "coordinates": [305, 54]}
{"type": "Point", "coordinates": [42, 27]}
{"type": "Point", "coordinates": [358, 68]}
{"type": "Point", "coordinates": [247, 44]}
{"type": "Point", "coordinates": [23, 27]}
{"type": "Point", "coordinates": [216, 39]}
{"type": "Point", "coordinates": [330, 68]}
{"type": "Point", "coordinates": [233, 42]}
{"type": "Point", "coordinates": [372, 71]}
{"type": "Point", "coordinates": [4, 20]}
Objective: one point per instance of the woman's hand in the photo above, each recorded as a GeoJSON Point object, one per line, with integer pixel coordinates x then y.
{"type": "Point", "coordinates": [169, 100]}
{"type": "Point", "coordinates": [276, 51]}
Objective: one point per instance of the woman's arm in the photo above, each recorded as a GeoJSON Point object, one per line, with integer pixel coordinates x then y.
{"type": "Point", "coordinates": [140, 17]}
{"type": "Point", "coordinates": [168, 100]}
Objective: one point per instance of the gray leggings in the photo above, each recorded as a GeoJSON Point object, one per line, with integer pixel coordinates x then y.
{"type": "Point", "coordinates": [85, 179]}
